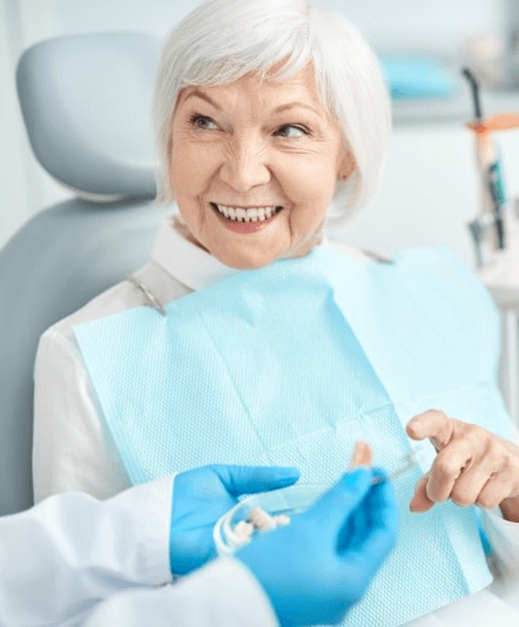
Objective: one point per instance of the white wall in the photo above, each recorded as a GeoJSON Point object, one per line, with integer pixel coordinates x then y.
{"type": "Point", "coordinates": [436, 24]}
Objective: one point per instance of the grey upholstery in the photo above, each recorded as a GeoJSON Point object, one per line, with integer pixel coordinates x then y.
{"type": "Point", "coordinates": [93, 92]}
{"type": "Point", "coordinates": [101, 145]}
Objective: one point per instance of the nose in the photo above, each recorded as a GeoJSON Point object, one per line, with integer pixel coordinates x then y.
{"type": "Point", "coordinates": [245, 164]}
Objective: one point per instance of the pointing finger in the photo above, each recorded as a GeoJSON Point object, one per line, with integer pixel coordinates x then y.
{"type": "Point", "coordinates": [432, 424]}
{"type": "Point", "coordinates": [421, 501]}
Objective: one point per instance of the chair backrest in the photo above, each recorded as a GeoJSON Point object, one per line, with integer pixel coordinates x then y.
{"type": "Point", "coordinates": [86, 103]}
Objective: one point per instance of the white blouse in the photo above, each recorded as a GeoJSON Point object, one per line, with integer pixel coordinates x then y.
{"type": "Point", "coordinates": [73, 451]}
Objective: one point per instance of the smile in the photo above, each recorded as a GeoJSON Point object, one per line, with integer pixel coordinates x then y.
{"type": "Point", "coordinates": [241, 214]}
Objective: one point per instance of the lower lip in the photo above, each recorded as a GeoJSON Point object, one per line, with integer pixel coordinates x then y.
{"type": "Point", "coordinates": [245, 227]}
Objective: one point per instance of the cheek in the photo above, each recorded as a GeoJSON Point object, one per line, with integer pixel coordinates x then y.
{"type": "Point", "coordinates": [309, 184]}
{"type": "Point", "coordinates": [191, 169]}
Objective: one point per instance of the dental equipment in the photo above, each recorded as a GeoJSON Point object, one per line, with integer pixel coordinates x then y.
{"type": "Point", "coordinates": [408, 462]}
{"type": "Point", "coordinates": [492, 187]}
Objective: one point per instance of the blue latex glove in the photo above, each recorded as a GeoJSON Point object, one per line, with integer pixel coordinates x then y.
{"type": "Point", "coordinates": [202, 495]}
{"type": "Point", "coordinates": [321, 564]}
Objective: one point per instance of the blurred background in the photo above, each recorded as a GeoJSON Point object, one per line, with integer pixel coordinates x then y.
{"type": "Point", "coordinates": [430, 189]}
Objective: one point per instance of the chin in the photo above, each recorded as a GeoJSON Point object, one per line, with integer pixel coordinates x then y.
{"type": "Point", "coordinates": [247, 264]}
{"type": "Point", "coordinates": [246, 260]}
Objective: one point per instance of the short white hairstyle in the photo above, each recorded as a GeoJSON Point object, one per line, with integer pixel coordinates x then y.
{"type": "Point", "coordinates": [223, 40]}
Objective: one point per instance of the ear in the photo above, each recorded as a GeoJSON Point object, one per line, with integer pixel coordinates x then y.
{"type": "Point", "coordinates": [347, 165]}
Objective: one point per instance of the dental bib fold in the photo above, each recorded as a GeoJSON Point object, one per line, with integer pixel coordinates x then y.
{"type": "Point", "coordinates": [293, 362]}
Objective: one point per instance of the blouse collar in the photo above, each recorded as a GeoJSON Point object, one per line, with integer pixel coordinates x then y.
{"type": "Point", "coordinates": [188, 263]}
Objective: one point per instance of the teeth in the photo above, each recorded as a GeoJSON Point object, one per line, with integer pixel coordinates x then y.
{"type": "Point", "coordinates": [246, 215]}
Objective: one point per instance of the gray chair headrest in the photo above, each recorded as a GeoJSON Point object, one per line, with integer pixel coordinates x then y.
{"type": "Point", "coordinates": [87, 104]}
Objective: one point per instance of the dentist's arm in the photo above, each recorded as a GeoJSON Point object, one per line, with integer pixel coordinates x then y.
{"type": "Point", "coordinates": [61, 558]}
{"type": "Point", "coordinates": [65, 555]}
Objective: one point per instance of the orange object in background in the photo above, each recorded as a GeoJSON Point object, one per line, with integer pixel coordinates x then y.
{"type": "Point", "coordinates": [498, 122]}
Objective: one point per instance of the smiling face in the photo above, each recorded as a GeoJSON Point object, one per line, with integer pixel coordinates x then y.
{"type": "Point", "coordinates": [253, 167]}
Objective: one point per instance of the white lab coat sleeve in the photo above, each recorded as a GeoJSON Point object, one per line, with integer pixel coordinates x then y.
{"type": "Point", "coordinates": [70, 552]}
{"type": "Point", "coordinates": [221, 594]}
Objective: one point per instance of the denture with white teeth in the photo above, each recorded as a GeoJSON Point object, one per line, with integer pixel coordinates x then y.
{"type": "Point", "coordinates": [239, 214]}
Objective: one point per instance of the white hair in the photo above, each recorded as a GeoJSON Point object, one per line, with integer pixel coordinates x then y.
{"type": "Point", "coordinates": [223, 40]}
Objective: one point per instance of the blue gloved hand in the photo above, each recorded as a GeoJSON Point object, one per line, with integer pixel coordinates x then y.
{"type": "Point", "coordinates": [321, 564]}
{"type": "Point", "coordinates": [202, 495]}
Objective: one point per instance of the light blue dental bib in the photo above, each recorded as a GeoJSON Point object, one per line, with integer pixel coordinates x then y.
{"type": "Point", "coordinates": [290, 364]}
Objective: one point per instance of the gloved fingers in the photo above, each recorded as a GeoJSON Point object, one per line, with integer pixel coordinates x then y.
{"type": "Point", "coordinates": [367, 559]}
{"type": "Point", "coordinates": [367, 514]}
{"type": "Point", "coordinates": [333, 509]}
{"type": "Point", "coordinates": [240, 480]}
{"type": "Point", "coordinates": [381, 503]}
{"type": "Point", "coordinates": [381, 532]}
{"type": "Point", "coordinates": [354, 531]}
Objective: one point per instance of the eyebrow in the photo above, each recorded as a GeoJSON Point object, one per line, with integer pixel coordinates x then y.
{"type": "Point", "coordinates": [283, 107]}
{"type": "Point", "coordinates": [291, 105]}
{"type": "Point", "coordinates": [200, 94]}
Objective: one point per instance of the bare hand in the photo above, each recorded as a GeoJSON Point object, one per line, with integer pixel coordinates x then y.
{"type": "Point", "coordinates": [472, 467]}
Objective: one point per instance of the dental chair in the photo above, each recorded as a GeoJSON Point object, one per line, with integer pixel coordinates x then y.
{"type": "Point", "coordinates": [86, 104]}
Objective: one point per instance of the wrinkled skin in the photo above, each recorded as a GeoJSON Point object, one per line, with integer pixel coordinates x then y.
{"type": "Point", "coordinates": [256, 143]}
{"type": "Point", "coordinates": [472, 466]}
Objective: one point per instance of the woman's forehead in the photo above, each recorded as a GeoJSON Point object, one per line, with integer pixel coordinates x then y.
{"type": "Point", "coordinates": [273, 92]}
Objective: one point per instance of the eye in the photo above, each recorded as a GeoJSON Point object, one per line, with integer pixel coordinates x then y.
{"type": "Point", "coordinates": [202, 122]}
{"type": "Point", "coordinates": [291, 131]}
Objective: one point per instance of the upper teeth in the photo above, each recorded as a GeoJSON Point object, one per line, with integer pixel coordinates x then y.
{"type": "Point", "coordinates": [246, 215]}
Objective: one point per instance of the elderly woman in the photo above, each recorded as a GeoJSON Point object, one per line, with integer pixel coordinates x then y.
{"type": "Point", "coordinates": [262, 341]}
